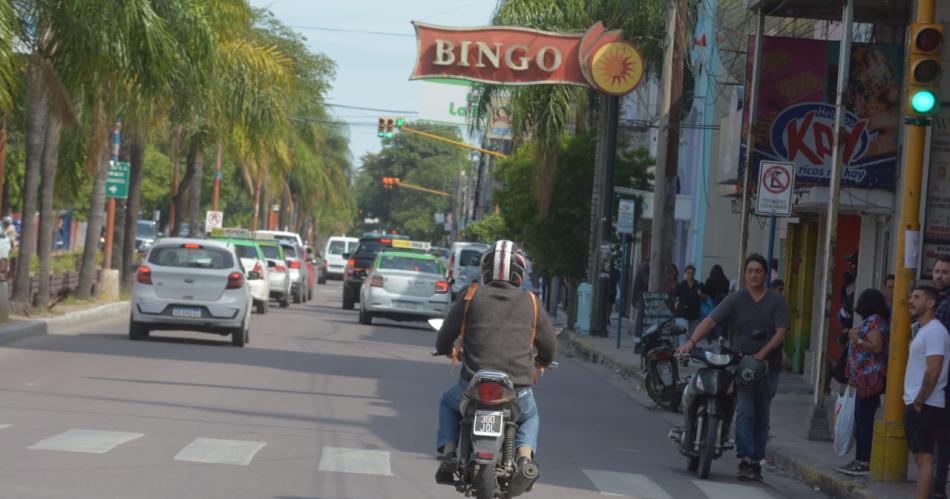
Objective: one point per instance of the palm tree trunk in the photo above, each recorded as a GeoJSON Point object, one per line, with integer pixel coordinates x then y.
{"type": "Point", "coordinates": [136, 160]}
{"type": "Point", "coordinates": [118, 234]}
{"type": "Point", "coordinates": [196, 166]}
{"type": "Point", "coordinates": [98, 158]}
{"type": "Point", "coordinates": [37, 121]}
{"type": "Point", "coordinates": [179, 198]}
{"type": "Point", "coordinates": [3, 160]}
{"type": "Point", "coordinates": [48, 216]}
{"type": "Point", "coordinates": [255, 220]}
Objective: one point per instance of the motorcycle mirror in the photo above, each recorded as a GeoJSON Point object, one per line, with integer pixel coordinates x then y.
{"type": "Point", "coordinates": [558, 331]}
{"type": "Point", "coordinates": [436, 324]}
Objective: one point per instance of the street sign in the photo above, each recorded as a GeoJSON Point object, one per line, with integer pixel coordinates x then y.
{"type": "Point", "coordinates": [214, 220]}
{"type": "Point", "coordinates": [625, 216]}
{"type": "Point", "coordinates": [117, 181]}
{"type": "Point", "coordinates": [776, 185]}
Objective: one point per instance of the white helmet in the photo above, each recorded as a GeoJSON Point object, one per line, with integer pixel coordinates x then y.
{"type": "Point", "coordinates": [504, 262]}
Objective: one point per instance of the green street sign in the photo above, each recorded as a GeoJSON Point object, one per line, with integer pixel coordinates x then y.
{"type": "Point", "coordinates": [117, 182]}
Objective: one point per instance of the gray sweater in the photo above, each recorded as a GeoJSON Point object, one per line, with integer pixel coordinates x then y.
{"type": "Point", "coordinates": [498, 333]}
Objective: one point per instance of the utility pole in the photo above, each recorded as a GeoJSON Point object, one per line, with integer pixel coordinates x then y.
{"type": "Point", "coordinates": [664, 192]}
{"type": "Point", "coordinates": [217, 179]}
{"type": "Point", "coordinates": [605, 163]}
{"type": "Point", "coordinates": [110, 210]}
{"type": "Point", "coordinates": [752, 106]}
{"type": "Point", "coordinates": [889, 451]}
{"type": "Point", "coordinates": [818, 425]}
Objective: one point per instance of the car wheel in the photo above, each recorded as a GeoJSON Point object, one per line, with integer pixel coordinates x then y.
{"type": "Point", "coordinates": [366, 318]}
{"type": "Point", "coordinates": [298, 296]}
{"type": "Point", "coordinates": [322, 280]}
{"type": "Point", "coordinates": [261, 307]}
{"type": "Point", "coordinates": [239, 336]}
{"type": "Point", "coordinates": [284, 301]}
{"type": "Point", "coordinates": [137, 331]}
{"type": "Point", "coordinates": [348, 301]}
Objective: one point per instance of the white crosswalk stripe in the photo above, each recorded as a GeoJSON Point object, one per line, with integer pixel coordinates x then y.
{"type": "Point", "coordinates": [613, 483]}
{"type": "Point", "coordinates": [217, 451]}
{"type": "Point", "coordinates": [4, 426]}
{"type": "Point", "coordinates": [719, 490]}
{"type": "Point", "coordinates": [87, 441]}
{"type": "Point", "coordinates": [366, 462]}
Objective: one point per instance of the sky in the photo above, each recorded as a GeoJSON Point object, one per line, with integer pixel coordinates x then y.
{"type": "Point", "coordinates": [372, 69]}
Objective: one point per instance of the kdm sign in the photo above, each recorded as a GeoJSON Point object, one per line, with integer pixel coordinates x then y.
{"type": "Point", "coordinates": [520, 56]}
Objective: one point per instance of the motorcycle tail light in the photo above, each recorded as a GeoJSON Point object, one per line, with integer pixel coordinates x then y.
{"type": "Point", "coordinates": [484, 455]}
{"type": "Point", "coordinates": [144, 275]}
{"type": "Point", "coordinates": [663, 355]}
{"type": "Point", "coordinates": [490, 392]}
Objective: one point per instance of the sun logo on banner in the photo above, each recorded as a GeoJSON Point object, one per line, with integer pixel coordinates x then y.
{"type": "Point", "coordinates": [617, 68]}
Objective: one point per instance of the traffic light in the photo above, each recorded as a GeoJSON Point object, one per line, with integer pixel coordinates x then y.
{"type": "Point", "coordinates": [400, 122]}
{"type": "Point", "coordinates": [389, 127]}
{"type": "Point", "coordinates": [381, 131]}
{"type": "Point", "coordinates": [390, 182]}
{"type": "Point", "coordinates": [924, 70]}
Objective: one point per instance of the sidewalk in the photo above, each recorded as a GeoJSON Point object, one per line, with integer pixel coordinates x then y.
{"type": "Point", "coordinates": [19, 328]}
{"type": "Point", "coordinates": [809, 461]}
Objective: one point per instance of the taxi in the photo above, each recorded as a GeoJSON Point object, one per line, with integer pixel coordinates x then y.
{"type": "Point", "coordinates": [405, 284]}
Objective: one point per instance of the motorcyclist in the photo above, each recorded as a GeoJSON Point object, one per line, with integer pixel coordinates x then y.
{"type": "Point", "coordinates": [500, 320]}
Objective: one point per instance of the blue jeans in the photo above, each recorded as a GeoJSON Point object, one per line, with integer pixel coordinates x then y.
{"type": "Point", "coordinates": [752, 418]}
{"type": "Point", "coordinates": [529, 424]}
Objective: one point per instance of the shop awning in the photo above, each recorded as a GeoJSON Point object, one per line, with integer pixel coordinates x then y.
{"type": "Point", "coordinates": [890, 12]}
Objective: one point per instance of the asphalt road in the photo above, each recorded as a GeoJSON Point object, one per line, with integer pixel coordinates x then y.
{"type": "Point", "coordinates": [316, 406]}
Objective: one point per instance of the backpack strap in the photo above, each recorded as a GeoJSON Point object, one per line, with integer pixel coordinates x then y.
{"type": "Point", "coordinates": [534, 333]}
{"type": "Point", "coordinates": [469, 295]}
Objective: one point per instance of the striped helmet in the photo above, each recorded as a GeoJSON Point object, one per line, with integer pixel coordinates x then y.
{"type": "Point", "coordinates": [504, 262]}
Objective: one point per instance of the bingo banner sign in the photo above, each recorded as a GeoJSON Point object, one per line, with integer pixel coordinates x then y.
{"type": "Point", "coordinates": [794, 119]}
{"type": "Point", "coordinates": [520, 56]}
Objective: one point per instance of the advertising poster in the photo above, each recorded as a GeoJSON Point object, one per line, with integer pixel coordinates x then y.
{"type": "Point", "coordinates": [794, 120]}
{"type": "Point", "coordinates": [936, 233]}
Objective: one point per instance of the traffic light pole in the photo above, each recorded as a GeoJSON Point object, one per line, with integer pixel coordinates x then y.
{"type": "Point", "coordinates": [453, 142]}
{"type": "Point", "coordinates": [889, 450]}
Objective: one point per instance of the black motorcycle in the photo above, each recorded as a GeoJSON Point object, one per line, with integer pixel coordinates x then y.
{"type": "Point", "coordinates": [660, 371]}
{"type": "Point", "coordinates": [486, 465]}
{"type": "Point", "coordinates": [708, 405]}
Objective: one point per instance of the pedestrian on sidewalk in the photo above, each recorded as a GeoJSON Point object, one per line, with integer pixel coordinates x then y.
{"type": "Point", "coordinates": [889, 290]}
{"type": "Point", "coordinates": [941, 281]}
{"type": "Point", "coordinates": [689, 294]}
{"type": "Point", "coordinates": [758, 321]}
{"type": "Point", "coordinates": [717, 288]}
{"type": "Point", "coordinates": [924, 381]}
{"type": "Point", "coordinates": [867, 369]}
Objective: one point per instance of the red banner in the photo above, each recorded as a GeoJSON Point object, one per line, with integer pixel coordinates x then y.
{"type": "Point", "coordinates": [522, 56]}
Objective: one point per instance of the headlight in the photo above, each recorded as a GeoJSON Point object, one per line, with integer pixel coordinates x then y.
{"type": "Point", "coordinates": [718, 359]}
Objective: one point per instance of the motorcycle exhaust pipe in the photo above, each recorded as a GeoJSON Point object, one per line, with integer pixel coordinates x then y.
{"type": "Point", "coordinates": [523, 479]}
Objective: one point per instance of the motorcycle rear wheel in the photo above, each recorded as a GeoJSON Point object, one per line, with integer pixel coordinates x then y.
{"type": "Point", "coordinates": [485, 482]}
{"type": "Point", "coordinates": [656, 389]}
{"type": "Point", "coordinates": [709, 445]}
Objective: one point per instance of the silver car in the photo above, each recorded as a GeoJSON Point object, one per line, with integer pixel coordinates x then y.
{"type": "Point", "coordinates": [405, 286]}
{"type": "Point", "coordinates": [191, 285]}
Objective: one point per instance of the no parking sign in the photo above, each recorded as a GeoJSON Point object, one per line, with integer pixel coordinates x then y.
{"type": "Point", "coordinates": [776, 184]}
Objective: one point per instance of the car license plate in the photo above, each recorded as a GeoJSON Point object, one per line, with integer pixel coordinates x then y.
{"type": "Point", "coordinates": [488, 423]}
{"type": "Point", "coordinates": [406, 305]}
{"type": "Point", "coordinates": [191, 313]}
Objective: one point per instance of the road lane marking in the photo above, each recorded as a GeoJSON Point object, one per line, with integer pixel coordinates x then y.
{"type": "Point", "coordinates": [87, 441]}
{"type": "Point", "coordinates": [719, 490]}
{"type": "Point", "coordinates": [364, 462]}
{"type": "Point", "coordinates": [612, 483]}
{"type": "Point", "coordinates": [4, 426]}
{"type": "Point", "coordinates": [216, 451]}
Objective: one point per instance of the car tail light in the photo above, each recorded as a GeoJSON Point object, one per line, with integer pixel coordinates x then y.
{"type": "Point", "coordinates": [386, 241]}
{"type": "Point", "coordinates": [451, 266]}
{"type": "Point", "coordinates": [376, 281]}
{"type": "Point", "coordinates": [490, 392]}
{"type": "Point", "coordinates": [294, 264]}
{"type": "Point", "coordinates": [280, 268]}
{"type": "Point", "coordinates": [441, 287]}
{"type": "Point", "coordinates": [191, 246]}
{"type": "Point", "coordinates": [144, 275]}
{"type": "Point", "coordinates": [258, 268]}
{"type": "Point", "coordinates": [235, 280]}
{"type": "Point", "coordinates": [351, 262]}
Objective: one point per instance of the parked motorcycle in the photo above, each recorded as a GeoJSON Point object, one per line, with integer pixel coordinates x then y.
{"type": "Point", "coordinates": [486, 465]}
{"type": "Point", "coordinates": [661, 373]}
{"type": "Point", "coordinates": [708, 404]}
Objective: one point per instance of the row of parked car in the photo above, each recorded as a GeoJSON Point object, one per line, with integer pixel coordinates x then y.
{"type": "Point", "coordinates": [211, 285]}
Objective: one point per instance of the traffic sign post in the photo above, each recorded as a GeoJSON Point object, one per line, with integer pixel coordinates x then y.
{"type": "Point", "coordinates": [117, 181]}
{"type": "Point", "coordinates": [776, 186]}
{"type": "Point", "coordinates": [625, 225]}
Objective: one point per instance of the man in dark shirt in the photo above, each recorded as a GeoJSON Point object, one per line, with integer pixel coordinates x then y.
{"type": "Point", "coordinates": [941, 281]}
{"type": "Point", "coordinates": [504, 330]}
{"type": "Point", "coordinates": [689, 294]}
{"type": "Point", "coordinates": [758, 321]}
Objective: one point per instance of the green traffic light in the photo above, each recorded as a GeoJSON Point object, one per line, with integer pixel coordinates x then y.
{"type": "Point", "coordinates": [923, 101]}
{"type": "Point", "coordinates": [400, 121]}
{"type": "Point", "coordinates": [389, 135]}
{"type": "Point", "coordinates": [380, 134]}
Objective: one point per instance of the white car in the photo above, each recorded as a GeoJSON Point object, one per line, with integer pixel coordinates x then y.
{"type": "Point", "coordinates": [278, 275]}
{"type": "Point", "coordinates": [464, 265]}
{"type": "Point", "coordinates": [404, 286]}
{"type": "Point", "coordinates": [191, 285]}
{"type": "Point", "coordinates": [333, 261]}
{"type": "Point", "coordinates": [257, 272]}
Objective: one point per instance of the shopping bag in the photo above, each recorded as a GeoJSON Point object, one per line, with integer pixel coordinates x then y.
{"type": "Point", "coordinates": [844, 422]}
{"type": "Point", "coordinates": [706, 307]}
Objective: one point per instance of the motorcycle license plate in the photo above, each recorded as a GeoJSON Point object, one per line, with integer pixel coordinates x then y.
{"type": "Point", "coordinates": [665, 369]}
{"type": "Point", "coordinates": [488, 423]}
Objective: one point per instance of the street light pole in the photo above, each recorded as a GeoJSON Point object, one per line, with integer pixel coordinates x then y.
{"type": "Point", "coordinates": [110, 210]}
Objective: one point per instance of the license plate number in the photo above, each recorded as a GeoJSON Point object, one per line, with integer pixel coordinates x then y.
{"type": "Point", "coordinates": [665, 369]}
{"type": "Point", "coordinates": [488, 423]}
{"type": "Point", "coordinates": [190, 313]}
{"type": "Point", "coordinates": [408, 305]}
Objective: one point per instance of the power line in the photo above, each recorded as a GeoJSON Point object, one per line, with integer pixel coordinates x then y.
{"type": "Point", "coordinates": [354, 31]}
{"type": "Point", "coordinates": [358, 108]}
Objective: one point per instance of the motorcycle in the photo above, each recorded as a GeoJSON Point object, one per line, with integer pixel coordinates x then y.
{"type": "Point", "coordinates": [486, 464]}
{"type": "Point", "coordinates": [708, 405]}
{"type": "Point", "coordinates": [660, 370]}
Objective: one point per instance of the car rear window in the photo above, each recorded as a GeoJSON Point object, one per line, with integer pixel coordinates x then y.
{"type": "Point", "coordinates": [247, 252]}
{"type": "Point", "coordinates": [290, 252]}
{"type": "Point", "coordinates": [371, 247]}
{"type": "Point", "coordinates": [337, 247]}
{"type": "Point", "coordinates": [470, 258]}
{"type": "Point", "coordinates": [426, 265]}
{"type": "Point", "coordinates": [197, 258]}
{"type": "Point", "coordinates": [271, 251]}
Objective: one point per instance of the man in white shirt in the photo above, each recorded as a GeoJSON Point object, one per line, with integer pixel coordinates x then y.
{"type": "Point", "coordinates": [924, 383]}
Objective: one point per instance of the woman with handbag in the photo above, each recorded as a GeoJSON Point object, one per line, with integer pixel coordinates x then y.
{"type": "Point", "coordinates": [867, 369]}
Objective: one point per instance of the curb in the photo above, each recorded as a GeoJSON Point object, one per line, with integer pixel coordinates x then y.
{"type": "Point", "coordinates": [830, 483]}
{"type": "Point", "coordinates": [19, 329]}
